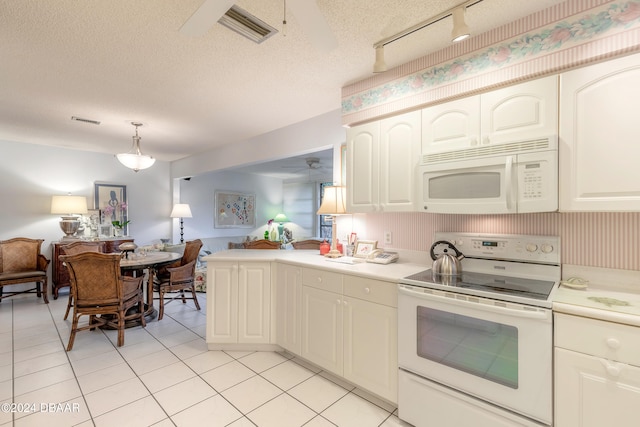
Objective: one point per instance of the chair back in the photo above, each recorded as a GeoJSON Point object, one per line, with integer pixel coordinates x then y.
{"type": "Point", "coordinates": [19, 254]}
{"type": "Point", "coordinates": [262, 244]}
{"type": "Point", "coordinates": [95, 278]}
{"type": "Point", "coordinates": [82, 246]}
{"type": "Point", "coordinates": [191, 251]}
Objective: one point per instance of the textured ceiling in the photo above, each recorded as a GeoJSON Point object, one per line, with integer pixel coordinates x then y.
{"type": "Point", "coordinates": [120, 61]}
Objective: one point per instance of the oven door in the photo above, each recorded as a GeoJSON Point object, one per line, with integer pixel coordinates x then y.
{"type": "Point", "coordinates": [496, 351]}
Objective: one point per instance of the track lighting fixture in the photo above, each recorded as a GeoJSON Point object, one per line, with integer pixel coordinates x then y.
{"type": "Point", "coordinates": [460, 31]}
{"type": "Point", "coordinates": [380, 65]}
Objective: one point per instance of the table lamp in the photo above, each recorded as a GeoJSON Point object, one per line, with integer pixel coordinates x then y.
{"type": "Point", "coordinates": [181, 210]}
{"type": "Point", "coordinates": [334, 204]}
{"type": "Point", "coordinates": [69, 206]}
{"type": "Point", "coordinates": [281, 219]}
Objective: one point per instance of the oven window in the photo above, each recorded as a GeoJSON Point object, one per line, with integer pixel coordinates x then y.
{"type": "Point", "coordinates": [486, 349]}
{"type": "Point", "coordinates": [465, 186]}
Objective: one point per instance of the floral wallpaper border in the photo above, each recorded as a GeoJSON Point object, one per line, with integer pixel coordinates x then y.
{"type": "Point", "coordinates": [611, 18]}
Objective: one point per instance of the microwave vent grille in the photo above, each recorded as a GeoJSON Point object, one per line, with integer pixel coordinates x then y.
{"type": "Point", "coordinates": [489, 150]}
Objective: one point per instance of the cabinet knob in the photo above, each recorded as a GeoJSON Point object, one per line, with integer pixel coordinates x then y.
{"type": "Point", "coordinates": [486, 140]}
{"type": "Point", "coordinates": [612, 369]}
{"type": "Point", "coordinates": [319, 279]}
{"type": "Point", "coordinates": [338, 301]}
{"type": "Point", "coordinates": [367, 290]}
{"type": "Point", "coordinates": [613, 343]}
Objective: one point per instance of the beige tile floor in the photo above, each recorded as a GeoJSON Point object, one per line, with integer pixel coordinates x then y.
{"type": "Point", "coordinates": [164, 375]}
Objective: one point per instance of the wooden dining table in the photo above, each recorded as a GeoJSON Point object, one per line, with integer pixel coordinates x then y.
{"type": "Point", "coordinates": [150, 261]}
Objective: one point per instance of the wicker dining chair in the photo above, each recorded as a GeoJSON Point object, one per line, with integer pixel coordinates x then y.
{"type": "Point", "coordinates": [77, 248]}
{"type": "Point", "coordinates": [180, 279]}
{"type": "Point", "coordinates": [102, 293]}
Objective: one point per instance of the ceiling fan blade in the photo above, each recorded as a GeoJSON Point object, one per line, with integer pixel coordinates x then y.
{"type": "Point", "coordinates": [205, 17]}
{"type": "Point", "coordinates": [314, 24]}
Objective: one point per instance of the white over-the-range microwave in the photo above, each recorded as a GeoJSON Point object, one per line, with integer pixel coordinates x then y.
{"type": "Point", "coordinates": [514, 177]}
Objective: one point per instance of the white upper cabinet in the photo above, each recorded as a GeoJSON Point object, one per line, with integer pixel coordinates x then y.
{"type": "Point", "coordinates": [363, 149]}
{"type": "Point", "coordinates": [453, 125]}
{"type": "Point", "coordinates": [521, 112]}
{"type": "Point", "coordinates": [381, 159]}
{"type": "Point", "coordinates": [600, 137]}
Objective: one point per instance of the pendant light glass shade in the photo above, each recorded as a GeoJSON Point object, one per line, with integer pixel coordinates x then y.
{"type": "Point", "coordinates": [134, 159]}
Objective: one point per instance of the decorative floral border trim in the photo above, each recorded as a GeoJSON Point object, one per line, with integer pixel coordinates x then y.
{"type": "Point", "coordinates": [616, 16]}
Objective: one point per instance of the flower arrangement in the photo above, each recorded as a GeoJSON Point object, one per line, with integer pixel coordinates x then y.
{"type": "Point", "coordinates": [110, 210]}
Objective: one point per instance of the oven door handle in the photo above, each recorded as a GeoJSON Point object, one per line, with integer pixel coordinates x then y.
{"type": "Point", "coordinates": [529, 314]}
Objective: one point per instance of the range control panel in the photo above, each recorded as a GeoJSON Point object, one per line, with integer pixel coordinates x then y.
{"type": "Point", "coordinates": [513, 247]}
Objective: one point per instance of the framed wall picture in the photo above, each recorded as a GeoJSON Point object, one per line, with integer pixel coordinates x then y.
{"type": "Point", "coordinates": [234, 210]}
{"type": "Point", "coordinates": [364, 248]}
{"type": "Point", "coordinates": [111, 199]}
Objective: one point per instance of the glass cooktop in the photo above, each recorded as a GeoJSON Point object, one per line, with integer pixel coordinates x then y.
{"type": "Point", "coordinates": [483, 284]}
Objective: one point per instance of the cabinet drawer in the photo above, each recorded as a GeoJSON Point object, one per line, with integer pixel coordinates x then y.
{"type": "Point", "coordinates": [321, 279]}
{"type": "Point", "coordinates": [608, 340]}
{"type": "Point", "coordinates": [371, 290]}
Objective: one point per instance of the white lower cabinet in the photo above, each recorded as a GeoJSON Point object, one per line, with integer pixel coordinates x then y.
{"type": "Point", "coordinates": [597, 373]}
{"type": "Point", "coordinates": [289, 304]}
{"type": "Point", "coordinates": [322, 332]}
{"type": "Point", "coordinates": [349, 327]}
{"type": "Point", "coordinates": [371, 346]}
{"type": "Point", "coordinates": [238, 302]}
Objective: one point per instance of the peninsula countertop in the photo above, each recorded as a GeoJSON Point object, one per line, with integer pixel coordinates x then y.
{"type": "Point", "coordinates": [311, 258]}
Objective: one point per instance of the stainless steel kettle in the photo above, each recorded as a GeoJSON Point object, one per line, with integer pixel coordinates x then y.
{"type": "Point", "coordinates": [446, 264]}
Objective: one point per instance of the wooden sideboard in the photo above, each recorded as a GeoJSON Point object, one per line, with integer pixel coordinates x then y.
{"type": "Point", "coordinates": [59, 274]}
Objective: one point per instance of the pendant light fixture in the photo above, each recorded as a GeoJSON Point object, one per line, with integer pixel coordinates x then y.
{"type": "Point", "coordinates": [134, 159]}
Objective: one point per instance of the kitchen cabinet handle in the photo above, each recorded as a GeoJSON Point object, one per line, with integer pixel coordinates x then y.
{"type": "Point", "coordinates": [338, 301]}
{"type": "Point", "coordinates": [367, 290]}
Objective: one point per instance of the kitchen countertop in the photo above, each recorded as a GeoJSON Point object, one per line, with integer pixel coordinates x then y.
{"type": "Point", "coordinates": [611, 295]}
{"type": "Point", "coordinates": [311, 258]}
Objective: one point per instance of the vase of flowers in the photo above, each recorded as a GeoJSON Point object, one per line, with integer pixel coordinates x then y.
{"type": "Point", "coordinates": [118, 227]}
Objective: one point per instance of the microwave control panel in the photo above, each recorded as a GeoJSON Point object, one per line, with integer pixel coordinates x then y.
{"type": "Point", "coordinates": [542, 249]}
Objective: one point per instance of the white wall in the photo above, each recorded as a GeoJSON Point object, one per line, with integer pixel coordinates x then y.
{"type": "Point", "coordinates": [31, 174]}
{"type": "Point", "coordinates": [199, 192]}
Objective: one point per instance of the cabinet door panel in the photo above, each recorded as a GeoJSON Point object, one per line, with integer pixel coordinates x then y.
{"type": "Point", "coordinates": [222, 302]}
{"type": "Point", "coordinates": [399, 145]}
{"type": "Point", "coordinates": [599, 136]}
{"type": "Point", "coordinates": [322, 328]}
{"type": "Point", "coordinates": [289, 304]}
{"type": "Point", "coordinates": [254, 296]}
{"type": "Point", "coordinates": [362, 167]}
{"type": "Point", "coordinates": [595, 392]}
{"type": "Point", "coordinates": [521, 112]}
{"type": "Point", "coordinates": [371, 346]}
{"type": "Point", "coordinates": [453, 125]}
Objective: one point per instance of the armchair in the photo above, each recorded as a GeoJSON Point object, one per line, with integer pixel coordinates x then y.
{"type": "Point", "coordinates": [76, 248]}
{"type": "Point", "coordinates": [98, 288]}
{"type": "Point", "coordinates": [22, 262]}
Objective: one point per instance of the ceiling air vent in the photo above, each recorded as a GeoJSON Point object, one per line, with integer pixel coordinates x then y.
{"type": "Point", "coordinates": [247, 25]}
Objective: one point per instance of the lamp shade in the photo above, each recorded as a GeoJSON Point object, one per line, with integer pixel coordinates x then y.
{"type": "Point", "coordinates": [281, 218]}
{"type": "Point", "coordinates": [181, 210]}
{"type": "Point", "coordinates": [333, 201]}
{"type": "Point", "coordinates": [68, 205]}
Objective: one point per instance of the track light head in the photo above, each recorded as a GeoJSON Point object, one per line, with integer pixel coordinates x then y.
{"type": "Point", "coordinates": [460, 28]}
{"type": "Point", "coordinates": [379, 66]}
